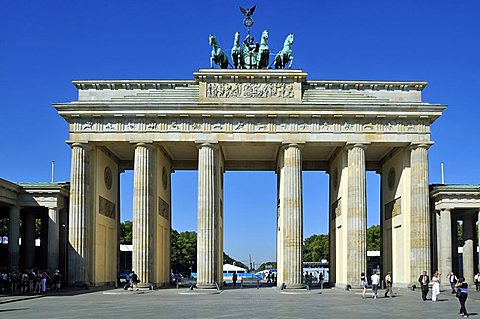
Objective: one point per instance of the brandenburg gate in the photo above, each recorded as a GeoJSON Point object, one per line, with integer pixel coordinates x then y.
{"type": "Point", "coordinates": [231, 119]}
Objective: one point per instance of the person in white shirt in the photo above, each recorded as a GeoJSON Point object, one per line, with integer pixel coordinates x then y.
{"type": "Point", "coordinates": [375, 282]}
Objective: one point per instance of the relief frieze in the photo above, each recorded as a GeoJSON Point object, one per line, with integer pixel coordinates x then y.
{"type": "Point", "coordinates": [254, 124]}
{"type": "Point", "coordinates": [250, 90]}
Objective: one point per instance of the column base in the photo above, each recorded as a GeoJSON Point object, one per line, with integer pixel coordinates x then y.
{"type": "Point", "coordinates": [295, 286]}
{"type": "Point", "coordinates": [206, 286]}
{"type": "Point", "coordinates": [80, 284]}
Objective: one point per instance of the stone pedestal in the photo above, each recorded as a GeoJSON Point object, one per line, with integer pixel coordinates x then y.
{"type": "Point", "coordinates": [419, 212]}
{"type": "Point", "coordinates": [292, 217]}
{"type": "Point", "coordinates": [468, 256]}
{"type": "Point", "coordinates": [444, 243]}
{"type": "Point", "coordinates": [79, 218]}
{"type": "Point", "coordinates": [53, 239]}
{"type": "Point", "coordinates": [13, 236]}
{"type": "Point", "coordinates": [143, 210]}
{"type": "Point", "coordinates": [356, 214]}
{"type": "Point", "coordinates": [208, 267]}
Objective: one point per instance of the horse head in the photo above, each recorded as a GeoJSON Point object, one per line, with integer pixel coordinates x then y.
{"type": "Point", "coordinates": [212, 40]}
{"type": "Point", "coordinates": [265, 35]}
{"type": "Point", "coordinates": [289, 40]}
{"type": "Point", "coordinates": [236, 38]}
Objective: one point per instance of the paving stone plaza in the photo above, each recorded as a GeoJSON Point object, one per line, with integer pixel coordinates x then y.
{"type": "Point", "coordinates": [236, 303]}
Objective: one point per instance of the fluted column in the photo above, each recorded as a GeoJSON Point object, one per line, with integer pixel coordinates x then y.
{"type": "Point", "coordinates": [444, 242]}
{"type": "Point", "coordinates": [419, 212]}
{"type": "Point", "coordinates": [28, 241]}
{"type": "Point", "coordinates": [53, 239]}
{"type": "Point", "coordinates": [143, 210]}
{"type": "Point", "coordinates": [478, 241]}
{"type": "Point", "coordinates": [207, 241]}
{"type": "Point", "coordinates": [356, 214]}
{"type": "Point", "coordinates": [13, 236]}
{"type": "Point", "coordinates": [292, 211]}
{"type": "Point", "coordinates": [468, 257]}
{"type": "Point", "coordinates": [79, 217]}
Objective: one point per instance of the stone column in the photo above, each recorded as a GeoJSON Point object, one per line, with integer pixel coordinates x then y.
{"type": "Point", "coordinates": [13, 236]}
{"type": "Point", "coordinates": [444, 243]}
{"type": "Point", "coordinates": [28, 241]}
{"type": "Point", "coordinates": [468, 256]}
{"type": "Point", "coordinates": [53, 239]}
{"type": "Point", "coordinates": [356, 214]}
{"type": "Point", "coordinates": [79, 218]}
{"type": "Point", "coordinates": [143, 209]}
{"type": "Point", "coordinates": [419, 211]}
{"type": "Point", "coordinates": [207, 240]}
{"type": "Point", "coordinates": [478, 240]}
{"type": "Point", "coordinates": [292, 216]}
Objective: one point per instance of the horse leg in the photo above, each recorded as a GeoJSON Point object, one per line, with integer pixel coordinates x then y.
{"type": "Point", "coordinates": [211, 62]}
{"type": "Point", "coordinates": [291, 61]}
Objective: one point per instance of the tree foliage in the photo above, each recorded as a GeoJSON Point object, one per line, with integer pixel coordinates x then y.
{"type": "Point", "coordinates": [271, 264]}
{"type": "Point", "coordinates": [373, 237]}
{"type": "Point", "coordinates": [315, 248]}
{"type": "Point", "coordinates": [126, 232]}
{"type": "Point", "coordinates": [183, 252]}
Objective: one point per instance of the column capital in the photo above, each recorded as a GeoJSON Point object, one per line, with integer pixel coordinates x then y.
{"type": "Point", "coordinates": [351, 145]}
{"type": "Point", "coordinates": [424, 145]}
{"type": "Point", "coordinates": [147, 144]}
{"type": "Point", "coordinates": [298, 145]}
{"type": "Point", "coordinates": [85, 145]}
{"type": "Point", "coordinates": [211, 145]}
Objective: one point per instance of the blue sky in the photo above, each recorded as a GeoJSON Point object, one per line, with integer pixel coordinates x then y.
{"type": "Point", "coordinates": [44, 45]}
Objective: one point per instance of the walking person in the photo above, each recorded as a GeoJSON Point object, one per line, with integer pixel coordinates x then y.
{"type": "Point", "coordinates": [363, 284]}
{"type": "Point", "coordinates": [435, 286]}
{"type": "Point", "coordinates": [388, 283]}
{"type": "Point", "coordinates": [234, 279]}
{"type": "Point", "coordinates": [462, 295]}
{"type": "Point", "coordinates": [375, 282]}
{"type": "Point", "coordinates": [452, 279]}
{"type": "Point", "coordinates": [424, 279]}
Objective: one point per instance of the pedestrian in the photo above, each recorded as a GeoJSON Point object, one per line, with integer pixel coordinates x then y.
{"type": "Point", "coordinates": [320, 278]}
{"type": "Point", "coordinates": [388, 283]}
{"type": "Point", "coordinates": [234, 279]}
{"type": "Point", "coordinates": [462, 295]}
{"type": "Point", "coordinates": [44, 281]}
{"type": "Point", "coordinates": [435, 286]}
{"type": "Point", "coordinates": [452, 279]}
{"type": "Point", "coordinates": [134, 281]}
{"type": "Point", "coordinates": [375, 282]}
{"type": "Point", "coordinates": [269, 278]}
{"type": "Point", "coordinates": [476, 280]}
{"type": "Point", "coordinates": [363, 284]}
{"type": "Point", "coordinates": [424, 279]}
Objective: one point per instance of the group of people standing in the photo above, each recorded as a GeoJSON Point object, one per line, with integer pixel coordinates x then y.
{"type": "Point", "coordinates": [459, 287]}
{"type": "Point", "coordinates": [375, 279]}
{"type": "Point", "coordinates": [29, 281]}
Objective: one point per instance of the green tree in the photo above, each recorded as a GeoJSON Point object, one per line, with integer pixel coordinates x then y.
{"type": "Point", "coordinates": [373, 237]}
{"type": "Point", "coordinates": [270, 264]}
{"type": "Point", "coordinates": [315, 248]}
{"type": "Point", "coordinates": [183, 253]}
{"type": "Point", "coordinates": [4, 226]}
{"type": "Point", "coordinates": [126, 232]}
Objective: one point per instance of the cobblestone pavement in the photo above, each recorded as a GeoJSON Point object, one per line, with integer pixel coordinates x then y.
{"type": "Point", "coordinates": [235, 303]}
